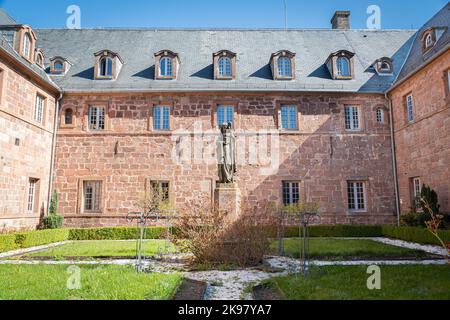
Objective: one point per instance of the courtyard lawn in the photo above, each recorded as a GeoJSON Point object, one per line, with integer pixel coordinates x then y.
{"type": "Point", "coordinates": [413, 282]}
{"type": "Point", "coordinates": [49, 282]}
{"type": "Point", "coordinates": [347, 249]}
{"type": "Point", "coordinates": [102, 248]}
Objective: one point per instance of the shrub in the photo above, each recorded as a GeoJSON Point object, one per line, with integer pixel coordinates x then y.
{"type": "Point", "coordinates": [349, 231]}
{"type": "Point", "coordinates": [115, 233]}
{"type": "Point", "coordinates": [8, 242]}
{"type": "Point", "coordinates": [419, 219]}
{"type": "Point", "coordinates": [41, 237]}
{"type": "Point", "coordinates": [53, 222]}
{"type": "Point", "coordinates": [414, 234]}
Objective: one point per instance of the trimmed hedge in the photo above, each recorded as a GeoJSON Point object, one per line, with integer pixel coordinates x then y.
{"type": "Point", "coordinates": [115, 233]}
{"type": "Point", "coordinates": [41, 237]}
{"type": "Point", "coordinates": [8, 242]}
{"type": "Point", "coordinates": [350, 231]}
{"type": "Point", "coordinates": [415, 234]}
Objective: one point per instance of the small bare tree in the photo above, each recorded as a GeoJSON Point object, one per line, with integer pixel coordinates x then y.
{"type": "Point", "coordinates": [434, 224]}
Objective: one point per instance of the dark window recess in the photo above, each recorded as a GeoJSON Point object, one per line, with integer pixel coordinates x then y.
{"type": "Point", "coordinates": [17, 143]}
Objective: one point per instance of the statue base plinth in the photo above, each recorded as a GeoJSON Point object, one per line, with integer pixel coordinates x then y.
{"type": "Point", "coordinates": [228, 199]}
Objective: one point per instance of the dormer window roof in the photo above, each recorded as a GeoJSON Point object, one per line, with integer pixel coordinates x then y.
{"type": "Point", "coordinates": [283, 65]}
{"type": "Point", "coordinates": [384, 66]}
{"type": "Point", "coordinates": [166, 65]}
{"type": "Point", "coordinates": [224, 63]}
{"type": "Point", "coordinates": [59, 65]}
{"type": "Point", "coordinates": [341, 65]}
{"type": "Point", "coordinates": [107, 65]}
{"type": "Point", "coordinates": [25, 45]}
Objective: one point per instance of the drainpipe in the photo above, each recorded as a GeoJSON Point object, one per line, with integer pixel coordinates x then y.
{"type": "Point", "coordinates": [394, 159]}
{"type": "Point", "coordinates": [52, 162]}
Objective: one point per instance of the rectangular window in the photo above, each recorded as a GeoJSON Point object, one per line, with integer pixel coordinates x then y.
{"type": "Point", "coordinates": [291, 193]}
{"type": "Point", "coordinates": [410, 107]}
{"type": "Point", "coordinates": [161, 118]}
{"type": "Point", "coordinates": [289, 118]}
{"type": "Point", "coordinates": [380, 116]}
{"type": "Point", "coordinates": [416, 192]}
{"type": "Point", "coordinates": [448, 81]}
{"type": "Point", "coordinates": [96, 118]}
{"type": "Point", "coordinates": [92, 193]}
{"type": "Point", "coordinates": [356, 196]}
{"type": "Point", "coordinates": [31, 200]}
{"type": "Point", "coordinates": [161, 190]}
{"type": "Point", "coordinates": [225, 114]}
{"type": "Point", "coordinates": [352, 121]}
{"type": "Point", "coordinates": [39, 108]}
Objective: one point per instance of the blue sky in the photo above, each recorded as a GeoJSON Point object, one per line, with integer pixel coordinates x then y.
{"type": "Point", "coordinates": [395, 14]}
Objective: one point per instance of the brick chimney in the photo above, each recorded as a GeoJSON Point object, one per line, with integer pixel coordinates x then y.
{"type": "Point", "coordinates": [341, 20]}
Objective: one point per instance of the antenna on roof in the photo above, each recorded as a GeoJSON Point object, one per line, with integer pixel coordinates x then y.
{"type": "Point", "coordinates": [285, 15]}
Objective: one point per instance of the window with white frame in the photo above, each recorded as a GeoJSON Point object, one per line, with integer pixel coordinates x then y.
{"type": "Point", "coordinates": [165, 67]}
{"type": "Point", "coordinates": [356, 196]}
{"type": "Point", "coordinates": [291, 192]}
{"type": "Point", "coordinates": [106, 67]}
{"type": "Point", "coordinates": [380, 116]}
{"type": "Point", "coordinates": [352, 119]}
{"type": "Point", "coordinates": [224, 67]}
{"type": "Point", "coordinates": [410, 107]}
{"type": "Point", "coordinates": [26, 45]}
{"type": "Point", "coordinates": [31, 200]}
{"type": "Point", "coordinates": [289, 118]}
{"type": "Point", "coordinates": [96, 118]}
{"type": "Point", "coordinates": [284, 67]}
{"type": "Point", "coordinates": [161, 118]}
{"type": "Point", "coordinates": [343, 67]}
{"type": "Point", "coordinates": [92, 193]}
{"type": "Point", "coordinates": [225, 115]}
{"type": "Point", "coordinates": [39, 109]}
{"type": "Point", "coordinates": [416, 192]}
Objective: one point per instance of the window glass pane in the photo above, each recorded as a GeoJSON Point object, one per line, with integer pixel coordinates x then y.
{"type": "Point", "coordinates": [92, 195]}
{"type": "Point", "coordinates": [356, 196]}
{"type": "Point", "coordinates": [380, 116]}
{"type": "Point", "coordinates": [343, 67]}
{"type": "Point", "coordinates": [410, 108]}
{"type": "Point", "coordinates": [225, 67]}
{"type": "Point", "coordinates": [289, 117]}
{"type": "Point", "coordinates": [68, 116]}
{"type": "Point", "coordinates": [291, 193]}
{"type": "Point", "coordinates": [31, 194]}
{"type": "Point", "coordinates": [352, 121]}
{"type": "Point", "coordinates": [166, 67]}
{"type": "Point", "coordinates": [225, 114]}
{"type": "Point", "coordinates": [284, 67]}
{"type": "Point", "coordinates": [96, 117]}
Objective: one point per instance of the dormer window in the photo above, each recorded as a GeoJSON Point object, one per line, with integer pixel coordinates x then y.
{"type": "Point", "coordinates": [59, 65]}
{"type": "Point", "coordinates": [107, 65]}
{"type": "Point", "coordinates": [166, 65]}
{"type": "Point", "coordinates": [39, 58]}
{"type": "Point", "coordinates": [340, 65]}
{"type": "Point", "coordinates": [26, 45]}
{"type": "Point", "coordinates": [428, 39]}
{"type": "Point", "coordinates": [384, 66]}
{"type": "Point", "coordinates": [224, 63]}
{"type": "Point", "coordinates": [283, 65]}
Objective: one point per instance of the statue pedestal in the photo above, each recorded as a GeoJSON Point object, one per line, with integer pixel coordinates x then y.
{"type": "Point", "coordinates": [228, 199]}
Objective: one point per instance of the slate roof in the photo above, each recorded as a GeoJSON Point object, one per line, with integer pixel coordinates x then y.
{"type": "Point", "coordinates": [416, 58]}
{"type": "Point", "coordinates": [5, 19]}
{"type": "Point", "coordinates": [253, 48]}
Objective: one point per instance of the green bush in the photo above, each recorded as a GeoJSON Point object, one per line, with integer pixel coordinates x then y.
{"type": "Point", "coordinates": [41, 237]}
{"type": "Point", "coordinates": [418, 219]}
{"type": "Point", "coordinates": [115, 233]}
{"type": "Point", "coordinates": [415, 234]}
{"type": "Point", "coordinates": [53, 222]}
{"type": "Point", "coordinates": [8, 242]}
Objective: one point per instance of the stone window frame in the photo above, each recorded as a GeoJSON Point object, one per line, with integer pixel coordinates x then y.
{"type": "Point", "coordinates": [65, 64]}
{"type": "Point", "coordinates": [150, 180]}
{"type": "Point", "coordinates": [175, 64]}
{"type": "Point", "coordinates": [39, 55]}
{"type": "Point", "coordinates": [413, 192]}
{"type": "Point", "coordinates": [224, 54]}
{"type": "Point", "coordinates": [162, 103]}
{"type": "Point", "coordinates": [63, 124]}
{"type": "Point", "coordinates": [44, 108]}
{"type": "Point", "coordinates": [116, 67]}
{"type": "Point", "coordinates": [446, 84]}
{"type": "Point", "coordinates": [383, 110]}
{"type": "Point", "coordinates": [300, 191]}
{"type": "Point", "coordinates": [278, 119]}
{"type": "Point", "coordinates": [379, 63]}
{"type": "Point", "coordinates": [274, 64]}
{"type": "Point", "coordinates": [331, 64]}
{"type": "Point", "coordinates": [366, 192]}
{"type": "Point", "coordinates": [80, 196]}
{"type": "Point", "coordinates": [358, 105]}
{"type": "Point", "coordinates": [93, 103]}
{"type": "Point", "coordinates": [428, 33]}
{"type": "Point", "coordinates": [36, 195]}
{"type": "Point", "coordinates": [236, 118]}
{"type": "Point", "coordinates": [22, 32]}
{"type": "Point", "coordinates": [406, 108]}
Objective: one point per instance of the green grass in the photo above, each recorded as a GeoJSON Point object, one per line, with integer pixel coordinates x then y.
{"type": "Point", "coordinates": [341, 249]}
{"type": "Point", "coordinates": [430, 282]}
{"type": "Point", "coordinates": [101, 248]}
{"type": "Point", "coordinates": [49, 282]}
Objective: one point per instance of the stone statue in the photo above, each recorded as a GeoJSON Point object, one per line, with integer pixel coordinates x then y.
{"type": "Point", "coordinates": [227, 159]}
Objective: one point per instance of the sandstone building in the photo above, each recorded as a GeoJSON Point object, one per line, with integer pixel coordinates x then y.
{"type": "Point", "coordinates": [350, 119]}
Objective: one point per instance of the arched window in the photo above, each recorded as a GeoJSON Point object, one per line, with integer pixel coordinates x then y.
{"type": "Point", "coordinates": [385, 66]}
{"type": "Point", "coordinates": [26, 45]}
{"type": "Point", "coordinates": [343, 67]}
{"type": "Point", "coordinates": [428, 41]}
{"type": "Point", "coordinates": [380, 116]}
{"type": "Point", "coordinates": [68, 114]}
{"type": "Point", "coordinates": [39, 60]}
{"type": "Point", "coordinates": [58, 66]}
{"type": "Point", "coordinates": [224, 67]}
{"type": "Point", "coordinates": [284, 67]}
{"type": "Point", "coordinates": [105, 69]}
{"type": "Point", "coordinates": [165, 67]}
